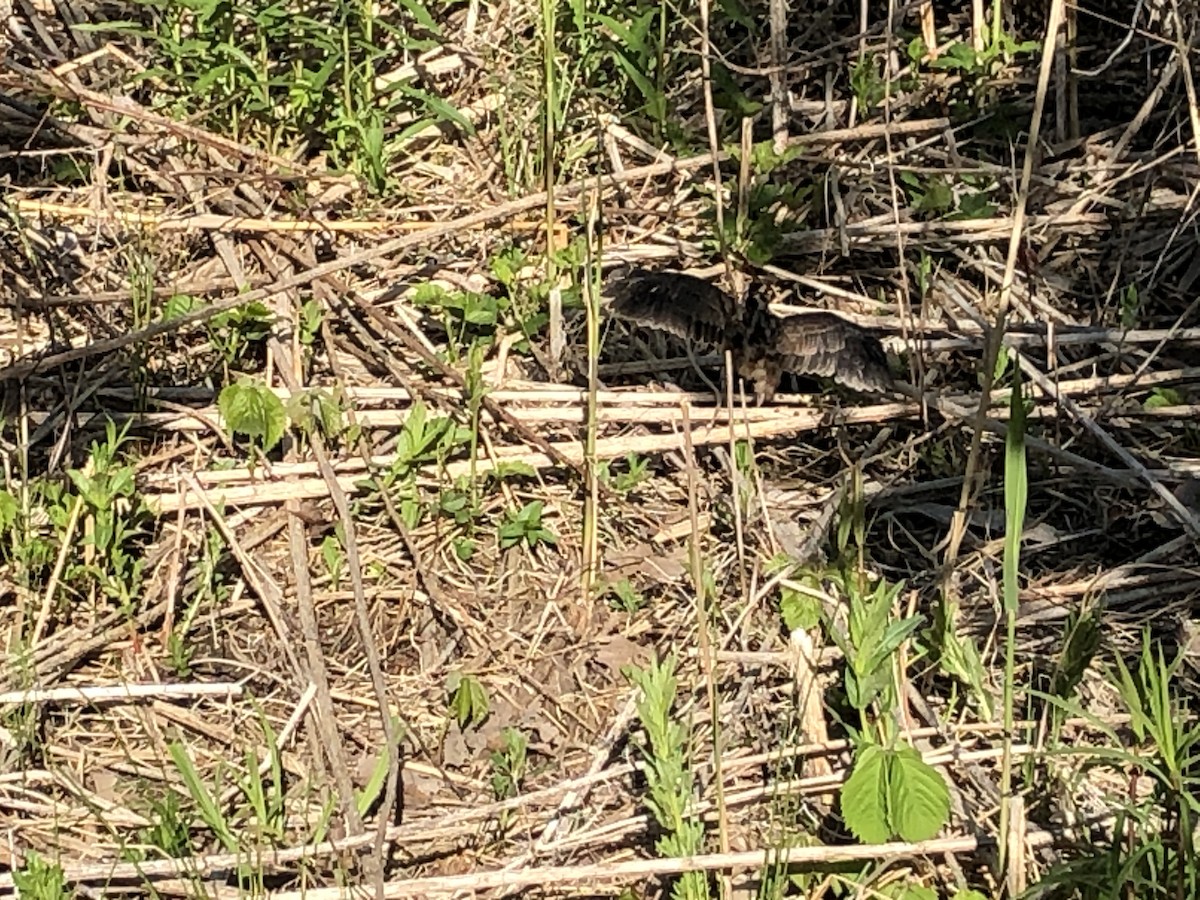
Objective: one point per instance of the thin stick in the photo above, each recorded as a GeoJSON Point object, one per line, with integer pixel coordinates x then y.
{"type": "Point", "coordinates": [735, 479]}
{"type": "Point", "coordinates": [704, 620]}
{"type": "Point", "coordinates": [591, 507]}
{"type": "Point", "coordinates": [116, 693]}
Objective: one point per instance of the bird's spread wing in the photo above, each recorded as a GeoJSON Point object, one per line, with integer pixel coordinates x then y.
{"type": "Point", "coordinates": [671, 301]}
{"type": "Point", "coordinates": [829, 346]}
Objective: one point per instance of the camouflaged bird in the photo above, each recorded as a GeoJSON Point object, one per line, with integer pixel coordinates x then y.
{"type": "Point", "coordinates": [763, 345]}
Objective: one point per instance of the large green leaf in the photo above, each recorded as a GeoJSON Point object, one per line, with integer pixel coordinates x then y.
{"type": "Point", "coordinates": [919, 799]}
{"type": "Point", "coordinates": [864, 796]}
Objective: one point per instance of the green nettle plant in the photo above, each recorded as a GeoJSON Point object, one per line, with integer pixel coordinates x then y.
{"type": "Point", "coordinates": [891, 790]}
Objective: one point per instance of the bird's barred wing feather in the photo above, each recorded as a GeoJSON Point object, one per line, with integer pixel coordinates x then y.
{"type": "Point", "coordinates": [683, 305]}
{"type": "Point", "coordinates": [829, 346]}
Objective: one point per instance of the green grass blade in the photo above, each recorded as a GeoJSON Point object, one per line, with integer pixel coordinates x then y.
{"type": "Point", "coordinates": [1016, 492]}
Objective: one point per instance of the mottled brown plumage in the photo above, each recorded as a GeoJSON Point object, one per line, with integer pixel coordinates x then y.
{"type": "Point", "coordinates": [763, 345]}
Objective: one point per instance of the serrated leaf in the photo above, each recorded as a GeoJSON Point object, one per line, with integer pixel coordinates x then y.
{"type": "Point", "coordinates": [179, 305]}
{"type": "Point", "coordinates": [482, 311]}
{"type": "Point", "coordinates": [429, 294]}
{"type": "Point", "coordinates": [1162, 397]}
{"type": "Point", "coordinates": [919, 800]}
{"type": "Point", "coordinates": [864, 796]}
{"type": "Point", "coordinates": [252, 409]}
{"type": "Point", "coordinates": [799, 610]}
{"type": "Point", "coordinates": [514, 469]}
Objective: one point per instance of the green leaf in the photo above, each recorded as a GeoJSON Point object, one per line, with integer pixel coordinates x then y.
{"type": "Point", "coordinates": [916, 50]}
{"type": "Point", "coordinates": [919, 800]}
{"type": "Point", "coordinates": [331, 553]}
{"type": "Point", "coordinates": [422, 15]}
{"type": "Point", "coordinates": [515, 468]}
{"type": "Point", "coordinates": [900, 891]}
{"type": "Point", "coordinates": [507, 264]}
{"type": "Point", "coordinates": [8, 510]}
{"type": "Point", "coordinates": [1162, 397]}
{"type": "Point", "coordinates": [1016, 490]}
{"type": "Point", "coordinates": [938, 196]}
{"type": "Point", "coordinates": [209, 810]}
{"type": "Point", "coordinates": [959, 56]}
{"type": "Point", "coordinates": [179, 305]}
{"type": "Point", "coordinates": [544, 536]}
{"type": "Point", "coordinates": [430, 294]}
{"type": "Point", "coordinates": [864, 796]}
{"type": "Point", "coordinates": [437, 106]}
{"type": "Point", "coordinates": [122, 484]}
{"type": "Point", "coordinates": [252, 320]}
{"type": "Point", "coordinates": [799, 610]}
{"type": "Point", "coordinates": [974, 206]}
{"type": "Point", "coordinates": [480, 311]}
{"type": "Point", "coordinates": [1002, 360]}
{"type": "Point", "coordinates": [88, 488]}
{"type": "Point", "coordinates": [251, 408]}
{"type": "Point", "coordinates": [470, 702]}
{"type": "Point", "coordinates": [40, 880]}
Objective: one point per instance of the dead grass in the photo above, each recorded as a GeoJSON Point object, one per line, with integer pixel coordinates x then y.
{"type": "Point", "coordinates": [274, 637]}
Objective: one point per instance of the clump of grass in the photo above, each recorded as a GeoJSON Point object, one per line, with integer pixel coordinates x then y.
{"type": "Point", "coordinates": [283, 76]}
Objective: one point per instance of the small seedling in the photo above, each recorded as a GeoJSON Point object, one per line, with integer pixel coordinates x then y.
{"type": "Point", "coordinates": [40, 880]}
{"type": "Point", "coordinates": [169, 831]}
{"type": "Point", "coordinates": [1163, 396]}
{"type": "Point", "coordinates": [108, 491]}
{"type": "Point", "coordinates": [458, 503]}
{"type": "Point", "coordinates": [334, 557]}
{"type": "Point", "coordinates": [234, 331]}
{"type": "Point", "coordinates": [634, 473]}
{"type": "Point", "coordinates": [467, 317]}
{"type": "Point", "coordinates": [625, 596]}
{"type": "Point", "coordinates": [773, 209]}
{"type": "Point", "coordinates": [251, 408]}
{"type": "Point", "coordinates": [635, 46]}
{"type": "Point", "coordinates": [468, 701]}
{"type": "Point", "coordinates": [867, 82]}
{"type": "Point", "coordinates": [1131, 306]}
{"type": "Point", "coordinates": [800, 609]}
{"type": "Point", "coordinates": [254, 819]}
{"type": "Point", "coordinates": [525, 526]}
{"type": "Point", "coordinates": [425, 439]}
{"type": "Point", "coordinates": [508, 764]}
{"type": "Point", "coordinates": [311, 316]}
{"type": "Point", "coordinates": [317, 410]}
{"type": "Point", "coordinates": [929, 194]}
